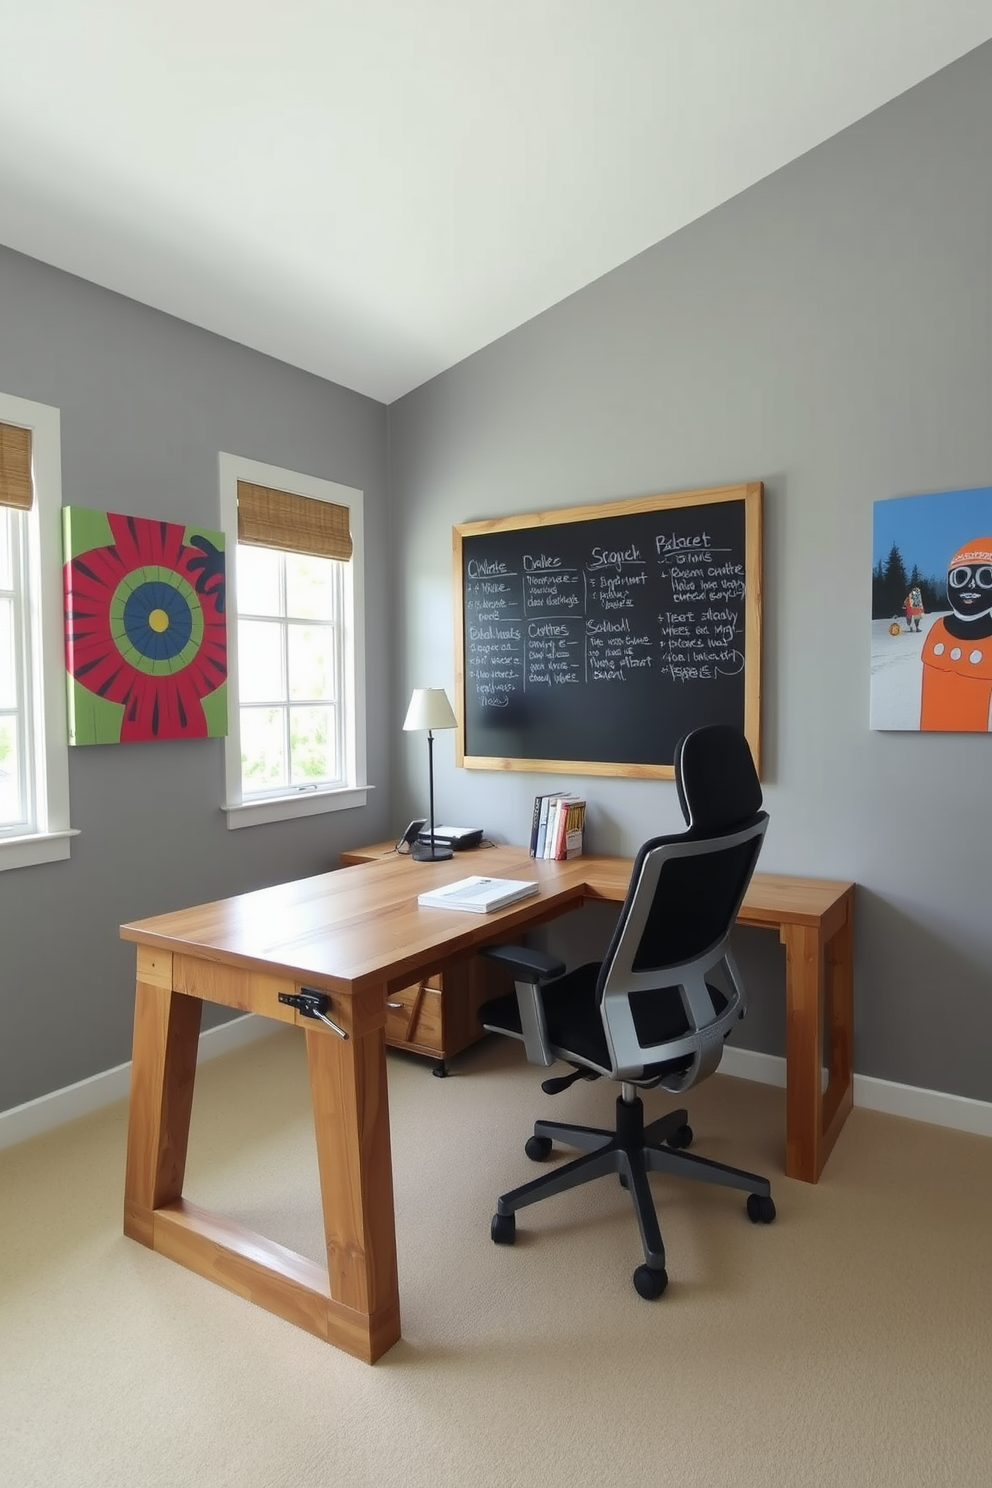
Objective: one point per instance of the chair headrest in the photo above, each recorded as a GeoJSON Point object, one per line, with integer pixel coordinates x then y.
{"type": "Point", "coordinates": [717, 783]}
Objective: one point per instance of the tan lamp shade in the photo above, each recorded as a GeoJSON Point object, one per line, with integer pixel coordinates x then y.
{"type": "Point", "coordinates": [429, 709]}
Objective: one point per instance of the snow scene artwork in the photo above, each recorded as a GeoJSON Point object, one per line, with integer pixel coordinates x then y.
{"type": "Point", "coordinates": [931, 612]}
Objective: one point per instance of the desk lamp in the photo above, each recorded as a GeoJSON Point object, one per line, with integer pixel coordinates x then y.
{"type": "Point", "coordinates": [429, 709]}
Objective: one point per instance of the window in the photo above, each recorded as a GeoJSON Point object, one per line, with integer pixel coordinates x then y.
{"type": "Point", "coordinates": [296, 661]}
{"type": "Point", "coordinates": [34, 757]}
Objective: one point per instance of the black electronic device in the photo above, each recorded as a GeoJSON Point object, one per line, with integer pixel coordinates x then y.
{"type": "Point", "coordinates": [454, 838]}
{"type": "Point", "coordinates": [411, 834]}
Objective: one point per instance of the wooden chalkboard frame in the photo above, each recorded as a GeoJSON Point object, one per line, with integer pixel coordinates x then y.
{"type": "Point", "coordinates": [750, 493]}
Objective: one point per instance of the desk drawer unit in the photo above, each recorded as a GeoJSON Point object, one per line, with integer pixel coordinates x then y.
{"type": "Point", "coordinates": [438, 1016]}
{"type": "Point", "coordinates": [415, 1018]}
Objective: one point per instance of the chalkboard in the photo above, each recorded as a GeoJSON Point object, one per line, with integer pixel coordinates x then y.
{"type": "Point", "coordinates": [589, 639]}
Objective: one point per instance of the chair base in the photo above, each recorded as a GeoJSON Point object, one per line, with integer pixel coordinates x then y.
{"type": "Point", "coordinates": [633, 1151]}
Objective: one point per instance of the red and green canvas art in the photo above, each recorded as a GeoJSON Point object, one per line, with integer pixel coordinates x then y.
{"type": "Point", "coordinates": [145, 630]}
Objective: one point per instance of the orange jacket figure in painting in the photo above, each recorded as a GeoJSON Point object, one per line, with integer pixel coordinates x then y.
{"type": "Point", "coordinates": [913, 605]}
{"type": "Point", "coordinates": [957, 652]}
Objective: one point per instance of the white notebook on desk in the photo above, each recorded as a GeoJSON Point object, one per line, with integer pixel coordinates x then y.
{"type": "Point", "coordinates": [477, 894]}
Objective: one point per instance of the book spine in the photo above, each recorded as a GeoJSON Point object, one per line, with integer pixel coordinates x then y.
{"type": "Point", "coordinates": [574, 830]}
{"type": "Point", "coordinates": [568, 814]}
{"type": "Point", "coordinates": [542, 828]}
{"type": "Point", "coordinates": [554, 822]}
{"type": "Point", "coordinates": [548, 828]}
{"type": "Point", "coordinates": [559, 832]}
{"type": "Point", "coordinates": [535, 823]}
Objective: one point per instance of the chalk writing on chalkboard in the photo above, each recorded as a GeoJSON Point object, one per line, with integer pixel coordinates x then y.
{"type": "Point", "coordinates": [591, 638]}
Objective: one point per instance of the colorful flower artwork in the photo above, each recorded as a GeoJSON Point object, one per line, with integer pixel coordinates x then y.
{"type": "Point", "coordinates": [145, 630]}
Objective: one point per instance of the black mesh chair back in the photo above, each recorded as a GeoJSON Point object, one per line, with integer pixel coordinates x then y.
{"type": "Point", "coordinates": [662, 1016]}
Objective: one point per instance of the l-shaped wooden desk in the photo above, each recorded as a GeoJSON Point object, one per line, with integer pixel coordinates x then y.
{"type": "Point", "coordinates": [348, 939]}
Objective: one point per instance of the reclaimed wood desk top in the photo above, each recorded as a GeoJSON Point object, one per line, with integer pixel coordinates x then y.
{"type": "Point", "coordinates": [353, 928]}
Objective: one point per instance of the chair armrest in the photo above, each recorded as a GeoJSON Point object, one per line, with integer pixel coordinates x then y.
{"type": "Point", "coordinates": [529, 969]}
{"type": "Point", "coordinates": [526, 963]}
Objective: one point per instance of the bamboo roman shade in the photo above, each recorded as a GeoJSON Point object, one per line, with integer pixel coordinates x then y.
{"type": "Point", "coordinates": [268, 518]}
{"type": "Point", "coordinates": [16, 487]}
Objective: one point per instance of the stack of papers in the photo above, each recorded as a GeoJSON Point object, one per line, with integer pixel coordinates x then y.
{"type": "Point", "coordinates": [478, 894]}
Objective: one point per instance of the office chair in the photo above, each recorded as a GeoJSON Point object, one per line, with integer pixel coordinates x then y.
{"type": "Point", "coordinates": [647, 1015]}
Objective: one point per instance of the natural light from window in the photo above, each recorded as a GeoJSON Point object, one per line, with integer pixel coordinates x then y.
{"type": "Point", "coordinates": [14, 676]}
{"type": "Point", "coordinates": [289, 643]}
{"type": "Point", "coordinates": [296, 652]}
{"type": "Point", "coordinates": [34, 772]}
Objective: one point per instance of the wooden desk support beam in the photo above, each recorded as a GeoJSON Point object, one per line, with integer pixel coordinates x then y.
{"type": "Point", "coordinates": [354, 1302]}
{"type": "Point", "coordinates": [820, 1003]}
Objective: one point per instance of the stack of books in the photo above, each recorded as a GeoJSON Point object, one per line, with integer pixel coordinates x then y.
{"type": "Point", "coordinates": [557, 825]}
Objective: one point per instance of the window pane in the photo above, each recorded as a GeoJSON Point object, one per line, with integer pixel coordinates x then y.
{"type": "Point", "coordinates": [310, 586]}
{"type": "Point", "coordinates": [34, 747]}
{"type": "Point", "coordinates": [6, 544]}
{"type": "Point", "coordinates": [11, 810]}
{"type": "Point", "coordinates": [263, 762]}
{"type": "Point", "coordinates": [8, 686]}
{"type": "Point", "coordinates": [312, 743]}
{"type": "Point", "coordinates": [258, 581]}
{"type": "Point", "coordinates": [311, 661]}
{"type": "Point", "coordinates": [260, 661]}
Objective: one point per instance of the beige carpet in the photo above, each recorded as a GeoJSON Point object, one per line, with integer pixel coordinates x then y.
{"type": "Point", "coordinates": [850, 1343]}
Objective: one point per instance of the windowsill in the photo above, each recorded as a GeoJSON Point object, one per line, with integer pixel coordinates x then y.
{"type": "Point", "coordinates": [286, 808]}
{"type": "Point", "coordinates": [39, 847]}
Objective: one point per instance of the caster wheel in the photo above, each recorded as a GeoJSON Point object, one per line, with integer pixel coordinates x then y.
{"type": "Point", "coordinates": [760, 1210]}
{"type": "Point", "coordinates": [503, 1229]}
{"type": "Point", "coordinates": [538, 1148]}
{"type": "Point", "coordinates": [681, 1138]}
{"type": "Point", "coordinates": [649, 1283]}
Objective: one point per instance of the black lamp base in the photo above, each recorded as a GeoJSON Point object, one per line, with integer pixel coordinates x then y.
{"type": "Point", "coordinates": [423, 852]}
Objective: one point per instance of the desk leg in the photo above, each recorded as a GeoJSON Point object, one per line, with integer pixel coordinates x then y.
{"type": "Point", "coordinates": [354, 1302]}
{"type": "Point", "coordinates": [163, 1068]}
{"type": "Point", "coordinates": [838, 1099]}
{"type": "Point", "coordinates": [819, 981]}
{"type": "Point", "coordinates": [351, 1122]}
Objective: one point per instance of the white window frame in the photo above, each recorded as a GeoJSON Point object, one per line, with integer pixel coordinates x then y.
{"type": "Point", "coordinates": [286, 805]}
{"type": "Point", "coordinates": [49, 841]}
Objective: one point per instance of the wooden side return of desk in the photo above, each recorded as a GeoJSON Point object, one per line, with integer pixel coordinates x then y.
{"type": "Point", "coordinates": [325, 954]}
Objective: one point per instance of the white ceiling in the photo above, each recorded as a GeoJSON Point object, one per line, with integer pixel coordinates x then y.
{"type": "Point", "coordinates": [374, 189]}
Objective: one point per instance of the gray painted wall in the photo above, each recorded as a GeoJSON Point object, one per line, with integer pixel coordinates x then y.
{"type": "Point", "coordinates": [825, 332]}
{"type": "Point", "coordinates": [147, 402]}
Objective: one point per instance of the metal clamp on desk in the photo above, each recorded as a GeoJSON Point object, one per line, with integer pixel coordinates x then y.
{"type": "Point", "coordinates": [312, 1005]}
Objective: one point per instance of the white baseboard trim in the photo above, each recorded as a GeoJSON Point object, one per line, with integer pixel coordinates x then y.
{"type": "Point", "coordinates": [49, 1111]}
{"type": "Point", "coordinates": [747, 1064]}
{"type": "Point", "coordinates": [959, 1112]}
